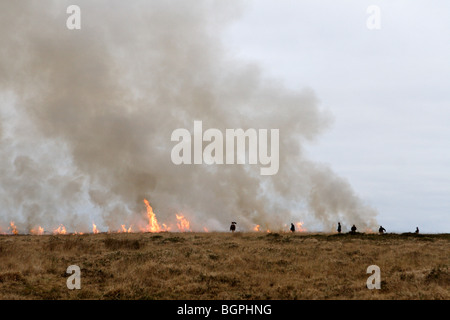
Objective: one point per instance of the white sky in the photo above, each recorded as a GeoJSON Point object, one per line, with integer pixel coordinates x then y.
{"type": "Point", "coordinates": [388, 90]}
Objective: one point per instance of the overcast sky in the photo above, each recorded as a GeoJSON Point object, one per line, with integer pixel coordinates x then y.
{"type": "Point", "coordinates": [388, 91]}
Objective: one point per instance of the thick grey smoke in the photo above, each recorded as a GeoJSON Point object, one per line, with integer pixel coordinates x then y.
{"type": "Point", "coordinates": [87, 115]}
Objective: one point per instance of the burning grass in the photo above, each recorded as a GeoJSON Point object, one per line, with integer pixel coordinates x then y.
{"type": "Point", "coordinates": [149, 224]}
{"type": "Point", "coordinates": [251, 265]}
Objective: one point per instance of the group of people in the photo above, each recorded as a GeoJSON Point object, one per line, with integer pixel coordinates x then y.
{"type": "Point", "coordinates": [381, 230]}
{"type": "Point", "coordinates": [353, 229]}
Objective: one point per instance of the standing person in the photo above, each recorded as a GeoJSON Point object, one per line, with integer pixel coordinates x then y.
{"type": "Point", "coordinates": [417, 230]}
{"type": "Point", "coordinates": [353, 229]}
{"type": "Point", "coordinates": [233, 226]}
{"type": "Point", "coordinates": [292, 227]}
{"type": "Point", "coordinates": [339, 229]}
{"type": "Point", "coordinates": [381, 230]}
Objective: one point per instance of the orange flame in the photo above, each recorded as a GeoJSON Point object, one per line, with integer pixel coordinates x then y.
{"type": "Point", "coordinates": [153, 225]}
{"type": "Point", "coordinates": [300, 228]}
{"type": "Point", "coordinates": [60, 230]}
{"type": "Point", "coordinates": [94, 228]}
{"type": "Point", "coordinates": [124, 229]}
{"type": "Point", "coordinates": [13, 228]}
{"type": "Point", "coordinates": [182, 223]}
{"type": "Point", "coordinates": [205, 229]}
{"type": "Point", "coordinates": [37, 231]}
{"type": "Point", "coordinates": [257, 228]}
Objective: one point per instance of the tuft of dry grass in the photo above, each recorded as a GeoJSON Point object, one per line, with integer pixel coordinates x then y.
{"type": "Point", "coordinates": [242, 266]}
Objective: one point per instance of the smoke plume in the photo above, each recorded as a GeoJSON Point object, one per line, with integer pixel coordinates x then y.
{"type": "Point", "coordinates": [86, 118]}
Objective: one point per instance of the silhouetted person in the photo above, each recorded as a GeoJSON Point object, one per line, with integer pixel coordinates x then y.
{"type": "Point", "coordinates": [233, 226]}
{"type": "Point", "coordinates": [381, 230]}
{"type": "Point", "coordinates": [417, 230]}
{"type": "Point", "coordinates": [292, 227]}
{"type": "Point", "coordinates": [339, 229]}
{"type": "Point", "coordinates": [353, 228]}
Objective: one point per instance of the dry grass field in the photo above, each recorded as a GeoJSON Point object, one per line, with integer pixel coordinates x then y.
{"type": "Point", "coordinates": [245, 266]}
